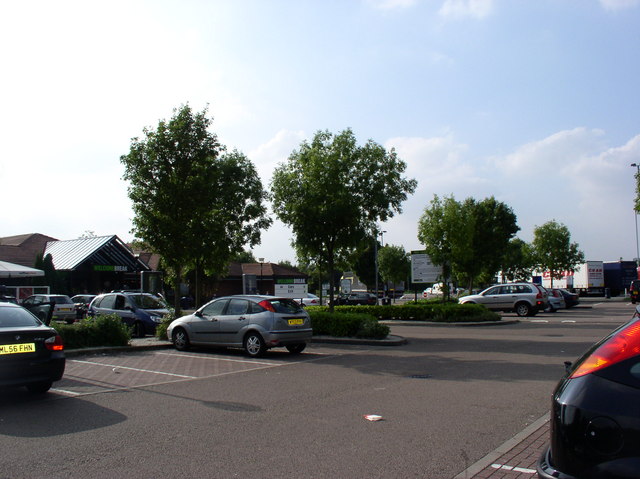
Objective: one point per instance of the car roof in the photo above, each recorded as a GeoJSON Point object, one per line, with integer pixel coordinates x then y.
{"type": "Point", "coordinates": [9, 305]}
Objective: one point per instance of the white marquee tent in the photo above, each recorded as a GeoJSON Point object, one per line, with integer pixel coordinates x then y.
{"type": "Point", "coordinates": [11, 270]}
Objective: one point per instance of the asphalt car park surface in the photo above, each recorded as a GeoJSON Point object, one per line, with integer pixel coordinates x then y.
{"type": "Point", "coordinates": [448, 400]}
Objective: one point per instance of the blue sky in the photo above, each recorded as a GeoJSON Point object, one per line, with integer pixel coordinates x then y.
{"type": "Point", "coordinates": [535, 102]}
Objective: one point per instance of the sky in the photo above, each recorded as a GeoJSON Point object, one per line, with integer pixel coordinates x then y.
{"type": "Point", "coordinates": [534, 102]}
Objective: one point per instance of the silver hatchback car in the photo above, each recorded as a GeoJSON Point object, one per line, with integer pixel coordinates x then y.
{"type": "Point", "coordinates": [252, 322]}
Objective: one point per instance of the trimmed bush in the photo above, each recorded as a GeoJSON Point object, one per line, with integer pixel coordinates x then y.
{"type": "Point", "coordinates": [161, 329]}
{"type": "Point", "coordinates": [421, 311]}
{"type": "Point", "coordinates": [341, 324]}
{"type": "Point", "coordinates": [103, 330]}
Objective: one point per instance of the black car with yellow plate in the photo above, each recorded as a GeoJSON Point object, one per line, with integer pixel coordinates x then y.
{"type": "Point", "coordinates": [31, 353]}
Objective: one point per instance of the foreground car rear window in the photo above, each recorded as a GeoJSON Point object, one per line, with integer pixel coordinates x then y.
{"type": "Point", "coordinates": [284, 305]}
{"type": "Point", "coordinates": [16, 318]}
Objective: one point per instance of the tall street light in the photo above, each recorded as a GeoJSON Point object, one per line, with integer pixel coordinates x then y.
{"type": "Point", "coordinates": [636, 214]}
{"type": "Point", "coordinates": [261, 260]}
{"type": "Point", "coordinates": [375, 254]}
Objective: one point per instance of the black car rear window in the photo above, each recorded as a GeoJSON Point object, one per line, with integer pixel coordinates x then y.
{"type": "Point", "coordinates": [285, 305]}
{"type": "Point", "coordinates": [17, 318]}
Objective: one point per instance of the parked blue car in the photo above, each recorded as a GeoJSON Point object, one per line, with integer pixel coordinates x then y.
{"type": "Point", "coordinates": [140, 311]}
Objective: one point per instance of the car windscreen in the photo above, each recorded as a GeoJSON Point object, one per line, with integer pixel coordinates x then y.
{"type": "Point", "coordinates": [146, 301]}
{"type": "Point", "coordinates": [17, 318]}
{"type": "Point", "coordinates": [285, 305]}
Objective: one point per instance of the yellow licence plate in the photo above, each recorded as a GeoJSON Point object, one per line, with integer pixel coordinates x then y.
{"type": "Point", "coordinates": [293, 322]}
{"type": "Point", "coordinates": [17, 348]}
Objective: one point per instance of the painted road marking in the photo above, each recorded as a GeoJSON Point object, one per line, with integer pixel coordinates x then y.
{"type": "Point", "coordinates": [216, 358]}
{"type": "Point", "coordinates": [117, 366]}
{"type": "Point", "coordinates": [503, 467]}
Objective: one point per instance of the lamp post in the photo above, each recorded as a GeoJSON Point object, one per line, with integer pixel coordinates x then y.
{"type": "Point", "coordinates": [260, 283]}
{"type": "Point", "coordinates": [636, 214]}
{"type": "Point", "coordinates": [375, 260]}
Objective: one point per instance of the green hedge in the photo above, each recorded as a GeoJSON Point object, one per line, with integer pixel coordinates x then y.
{"type": "Point", "coordinates": [161, 329]}
{"type": "Point", "coordinates": [103, 330]}
{"type": "Point", "coordinates": [427, 311]}
{"type": "Point", "coordinates": [344, 324]}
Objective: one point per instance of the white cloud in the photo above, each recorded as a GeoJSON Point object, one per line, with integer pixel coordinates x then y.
{"type": "Point", "coordinates": [267, 156]}
{"type": "Point", "coordinates": [560, 150]}
{"type": "Point", "coordinates": [615, 5]}
{"type": "Point", "coordinates": [466, 8]}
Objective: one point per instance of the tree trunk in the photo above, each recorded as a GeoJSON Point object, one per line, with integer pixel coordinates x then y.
{"type": "Point", "coordinates": [176, 290]}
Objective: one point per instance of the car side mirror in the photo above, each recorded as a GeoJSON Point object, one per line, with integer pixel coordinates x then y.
{"type": "Point", "coordinates": [198, 314]}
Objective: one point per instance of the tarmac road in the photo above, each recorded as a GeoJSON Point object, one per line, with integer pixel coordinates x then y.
{"type": "Point", "coordinates": [448, 398]}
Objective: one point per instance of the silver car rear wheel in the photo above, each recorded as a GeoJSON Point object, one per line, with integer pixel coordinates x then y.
{"type": "Point", "coordinates": [523, 309]}
{"type": "Point", "coordinates": [254, 345]}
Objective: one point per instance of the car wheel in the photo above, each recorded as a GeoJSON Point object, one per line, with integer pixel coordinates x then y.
{"type": "Point", "coordinates": [296, 348]}
{"type": "Point", "coordinates": [39, 388]}
{"type": "Point", "coordinates": [254, 345]}
{"type": "Point", "coordinates": [138, 330]}
{"type": "Point", "coordinates": [523, 309]}
{"type": "Point", "coordinates": [180, 339]}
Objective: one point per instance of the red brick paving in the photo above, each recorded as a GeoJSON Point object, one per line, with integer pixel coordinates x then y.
{"type": "Point", "coordinates": [520, 461]}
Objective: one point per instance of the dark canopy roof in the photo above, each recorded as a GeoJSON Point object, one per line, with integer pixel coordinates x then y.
{"type": "Point", "coordinates": [100, 250]}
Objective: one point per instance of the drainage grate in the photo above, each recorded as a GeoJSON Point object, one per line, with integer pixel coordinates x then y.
{"type": "Point", "coordinates": [420, 376]}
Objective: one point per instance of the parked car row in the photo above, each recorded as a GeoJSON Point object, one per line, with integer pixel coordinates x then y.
{"type": "Point", "coordinates": [525, 299]}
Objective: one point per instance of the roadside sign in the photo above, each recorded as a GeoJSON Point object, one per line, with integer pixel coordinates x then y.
{"type": "Point", "coordinates": [291, 288]}
{"type": "Point", "coordinates": [422, 268]}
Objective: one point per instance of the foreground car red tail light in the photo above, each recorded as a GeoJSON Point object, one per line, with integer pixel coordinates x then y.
{"type": "Point", "coordinates": [54, 343]}
{"type": "Point", "coordinates": [595, 417]}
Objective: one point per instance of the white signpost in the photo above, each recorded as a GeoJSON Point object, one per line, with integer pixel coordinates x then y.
{"type": "Point", "coordinates": [295, 288]}
{"type": "Point", "coordinates": [422, 269]}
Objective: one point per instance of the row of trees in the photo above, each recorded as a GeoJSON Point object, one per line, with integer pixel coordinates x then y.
{"type": "Point", "coordinates": [474, 240]}
{"type": "Point", "coordinates": [198, 205]}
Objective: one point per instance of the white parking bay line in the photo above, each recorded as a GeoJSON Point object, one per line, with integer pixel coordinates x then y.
{"type": "Point", "coordinates": [568, 320]}
{"type": "Point", "coordinates": [538, 320]}
{"type": "Point", "coordinates": [117, 366]}
{"type": "Point", "coordinates": [191, 356]}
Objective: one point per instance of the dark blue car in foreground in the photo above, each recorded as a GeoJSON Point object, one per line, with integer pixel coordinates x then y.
{"type": "Point", "coordinates": [595, 416]}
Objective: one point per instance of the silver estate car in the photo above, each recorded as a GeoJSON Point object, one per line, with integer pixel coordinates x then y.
{"type": "Point", "coordinates": [252, 322]}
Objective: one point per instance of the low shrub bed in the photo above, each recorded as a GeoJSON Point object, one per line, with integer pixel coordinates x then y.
{"type": "Point", "coordinates": [161, 329]}
{"type": "Point", "coordinates": [103, 330]}
{"type": "Point", "coordinates": [423, 311]}
{"type": "Point", "coordinates": [346, 324]}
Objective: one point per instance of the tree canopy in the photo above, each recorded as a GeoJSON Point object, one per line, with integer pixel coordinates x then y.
{"type": "Point", "coordinates": [332, 192]}
{"type": "Point", "coordinates": [394, 263]}
{"type": "Point", "coordinates": [468, 239]}
{"type": "Point", "coordinates": [553, 250]}
{"type": "Point", "coordinates": [194, 203]}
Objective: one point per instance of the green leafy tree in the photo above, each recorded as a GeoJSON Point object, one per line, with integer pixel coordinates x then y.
{"type": "Point", "coordinates": [553, 250]}
{"type": "Point", "coordinates": [518, 261]}
{"type": "Point", "coordinates": [244, 257]}
{"type": "Point", "coordinates": [194, 204]}
{"type": "Point", "coordinates": [394, 264]}
{"type": "Point", "coordinates": [363, 263]}
{"type": "Point", "coordinates": [468, 239]}
{"type": "Point", "coordinates": [332, 192]}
